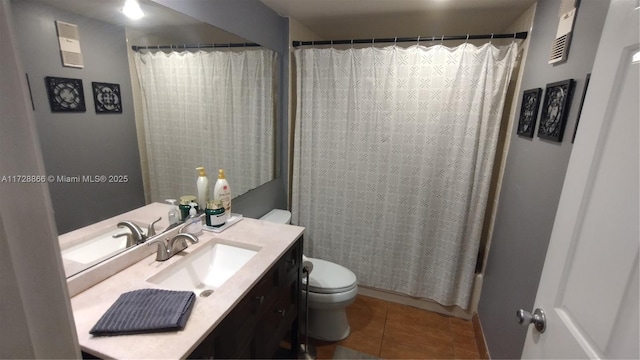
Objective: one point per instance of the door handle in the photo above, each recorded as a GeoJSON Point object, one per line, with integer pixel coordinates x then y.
{"type": "Point", "coordinates": [538, 319]}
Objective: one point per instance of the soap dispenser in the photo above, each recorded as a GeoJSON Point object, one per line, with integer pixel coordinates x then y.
{"type": "Point", "coordinates": [193, 224]}
{"type": "Point", "coordinates": [174, 213]}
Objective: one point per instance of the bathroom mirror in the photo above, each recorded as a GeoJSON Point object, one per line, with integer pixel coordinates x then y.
{"type": "Point", "coordinates": [82, 149]}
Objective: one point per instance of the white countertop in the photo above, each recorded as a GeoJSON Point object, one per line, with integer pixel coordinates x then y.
{"type": "Point", "coordinates": [88, 306]}
{"type": "Point", "coordinates": [144, 215]}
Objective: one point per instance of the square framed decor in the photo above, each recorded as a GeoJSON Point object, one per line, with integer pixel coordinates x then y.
{"type": "Point", "coordinates": [557, 101]}
{"type": "Point", "coordinates": [106, 98]}
{"type": "Point", "coordinates": [529, 112]}
{"type": "Point", "coordinates": [65, 95]}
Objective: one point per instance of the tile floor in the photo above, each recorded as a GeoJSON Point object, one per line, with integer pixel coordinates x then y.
{"type": "Point", "coordinates": [394, 331]}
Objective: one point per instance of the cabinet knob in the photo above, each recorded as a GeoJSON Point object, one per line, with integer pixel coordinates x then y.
{"type": "Point", "coordinates": [282, 312]}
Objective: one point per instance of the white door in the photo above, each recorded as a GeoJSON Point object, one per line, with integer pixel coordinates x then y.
{"type": "Point", "coordinates": [589, 285]}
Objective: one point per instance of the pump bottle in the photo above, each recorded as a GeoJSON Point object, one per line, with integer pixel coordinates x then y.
{"type": "Point", "coordinates": [222, 194]}
{"type": "Point", "coordinates": [203, 188]}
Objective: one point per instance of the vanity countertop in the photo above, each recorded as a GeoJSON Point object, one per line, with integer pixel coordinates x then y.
{"type": "Point", "coordinates": [144, 216]}
{"type": "Point", "coordinates": [88, 306]}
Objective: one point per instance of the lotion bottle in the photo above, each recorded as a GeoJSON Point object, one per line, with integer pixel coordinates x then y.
{"type": "Point", "coordinates": [222, 194]}
{"type": "Point", "coordinates": [203, 188]}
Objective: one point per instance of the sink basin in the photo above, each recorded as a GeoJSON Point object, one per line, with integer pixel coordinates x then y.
{"type": "Point", "coordinates": [205, 269]}
{"type": "Point", "coordinates": [97, 247]}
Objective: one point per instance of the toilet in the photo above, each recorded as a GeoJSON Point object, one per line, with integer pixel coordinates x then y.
{"type": "Point", "coordinates": [332, 288]}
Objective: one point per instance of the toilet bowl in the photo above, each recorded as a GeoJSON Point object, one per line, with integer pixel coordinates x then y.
{"type": "Point", "coordinates": [332, 288]}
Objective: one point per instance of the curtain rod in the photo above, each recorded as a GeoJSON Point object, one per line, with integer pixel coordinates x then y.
{"type": "Point", "coordinates": [193, 46]}
{"type": "Point", "coordinates": [518, 35]}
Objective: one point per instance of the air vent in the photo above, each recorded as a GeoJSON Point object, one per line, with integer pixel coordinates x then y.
{"type": "Point", "coordinates": [559, 50]}
{"type": "Point", "coordinates": [560, 46]}
{"type": "Point", "coordinates": [69, 40]}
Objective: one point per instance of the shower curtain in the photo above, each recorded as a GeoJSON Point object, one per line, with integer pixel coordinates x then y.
{"type": "Point", "coordinates": [213, 109]}
{"type": "Point", "coordinates": [393, 154]}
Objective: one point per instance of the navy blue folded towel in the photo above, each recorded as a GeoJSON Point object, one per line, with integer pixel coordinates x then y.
{"type": "Point", "coordinates": [144, 311]}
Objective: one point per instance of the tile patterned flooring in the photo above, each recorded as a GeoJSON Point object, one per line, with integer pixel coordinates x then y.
{"type": "Point", "coordinates": [394, 331]}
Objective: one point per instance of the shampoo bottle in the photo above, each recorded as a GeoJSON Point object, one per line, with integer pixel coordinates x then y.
{"type": "Point", "coordinates": [222, 194]}
{"type": "Point", "coordinates": [203, 188]}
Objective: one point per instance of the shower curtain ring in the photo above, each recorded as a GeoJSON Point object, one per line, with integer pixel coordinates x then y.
{"type": "Point", "coordinates": [491, 40]}
{"type": "Point", "coordinates": [466, 41]}
{"type": "Point", "coordinates": [442, 40]}
{"type": "Point", "coordinates": [418, 40]}
{"type": "Point", "coordinates": [395, 41]}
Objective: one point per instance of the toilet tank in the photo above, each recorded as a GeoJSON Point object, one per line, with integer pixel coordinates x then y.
{"type": "Point", "coordinates": [278, 216]}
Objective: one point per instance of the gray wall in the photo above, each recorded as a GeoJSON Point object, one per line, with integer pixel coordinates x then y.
{"type": "Point", "coordinates": [255, 22]}
{"type": "Point", "coordinates": [81, 143]}
{"type": "Point", "coordinates": [532, 183]}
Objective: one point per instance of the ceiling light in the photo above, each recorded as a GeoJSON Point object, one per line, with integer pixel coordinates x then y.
{"type": "Point", "coordinates": [132, 10]}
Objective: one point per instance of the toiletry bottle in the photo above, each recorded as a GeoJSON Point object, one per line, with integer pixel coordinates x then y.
{"type": "Point", "coordinates": [222, 194]}
{"type": "Point", "coordinates": [193, 224]}
{"type": "Point", "coordinates": [174, 213]}
{"type": "Point", "coordinates": [214, 215]}
{"type": "Point", "coordinates": [203, 188]}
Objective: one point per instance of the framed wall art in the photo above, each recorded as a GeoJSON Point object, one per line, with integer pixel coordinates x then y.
{"type": "Point", "coordinates": [557, 101]}
{"type": "Point", "coordinates": [584, 94]}
{"type": "Point", "coordinates": [65, 95]}
{"type": "Point", "coordinates": [106, 98]}
{"type": "Point", "coordinates": [529, 112]}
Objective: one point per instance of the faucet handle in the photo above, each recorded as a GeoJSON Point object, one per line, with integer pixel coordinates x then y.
{"type": "Point", "coordinates": [151, 230]}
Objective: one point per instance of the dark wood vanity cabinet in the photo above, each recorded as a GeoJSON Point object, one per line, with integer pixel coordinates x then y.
{"type": "Point", "coordinates": [263, 318]}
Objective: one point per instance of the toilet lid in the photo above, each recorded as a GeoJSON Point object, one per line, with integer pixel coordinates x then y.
{"type": "Point", "coordinates": [329, 278]}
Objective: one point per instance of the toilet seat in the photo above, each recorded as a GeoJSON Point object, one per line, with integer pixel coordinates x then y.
{"type": "Point", "coordinates": [329, 278]}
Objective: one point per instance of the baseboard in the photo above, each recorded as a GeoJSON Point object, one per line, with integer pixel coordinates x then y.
{"type": "Point", "coordinates": [420, 303]}
{"type": "Point", "coordinates": [481, 342]}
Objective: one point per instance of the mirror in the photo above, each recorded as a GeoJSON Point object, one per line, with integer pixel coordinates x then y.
{"type": "Point", "coordinates": [103, 163]}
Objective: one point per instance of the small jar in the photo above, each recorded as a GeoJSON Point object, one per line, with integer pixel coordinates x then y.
{"type": "Point", "coordinates": [214, 215]}
{"type": "Point", "coordinates": [185, 207]}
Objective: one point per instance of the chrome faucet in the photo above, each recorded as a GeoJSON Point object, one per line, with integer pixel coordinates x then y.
{"type": "Point", "coordinates": [169, 247]}
{"type": "Point", "coordinates": [137, 236]}
{"type": "Point", "coordinates": [130, 240]}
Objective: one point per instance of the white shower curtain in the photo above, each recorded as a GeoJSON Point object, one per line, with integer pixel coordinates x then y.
{"type": "Point", "coordinates": [212, 109]}
{"type": "Point", "coordinates": [393, 156]}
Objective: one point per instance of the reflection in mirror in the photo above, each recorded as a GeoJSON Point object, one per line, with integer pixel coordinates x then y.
{"type": "Point", "coordinates": [207, 108]}
{"type": "Point", "coordinates": [218, 114]}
